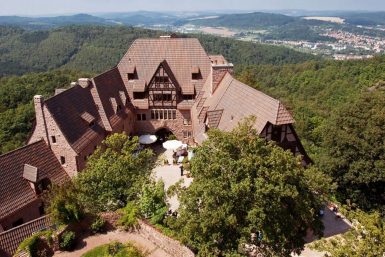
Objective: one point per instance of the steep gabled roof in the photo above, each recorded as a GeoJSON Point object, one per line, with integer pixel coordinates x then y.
{"type": "Point", "coordinates": [15, 191]}
{"type": "Point", "coordinates": [183, 55]}
{"type": "Point", "coordinates": [239, 101]}
{"type": "Point", "coordinates": [110, 87]}
{"type": "Point", "coordinates": [68, 110]}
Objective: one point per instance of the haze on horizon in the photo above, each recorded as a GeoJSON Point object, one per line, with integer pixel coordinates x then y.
{"type": "Point", "coordinates": [54, 7]}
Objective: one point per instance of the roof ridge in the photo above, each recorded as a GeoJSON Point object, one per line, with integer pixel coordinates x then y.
{"type": "Point", "coordinates": [22, 147]}
{"type": "Point", "coordinates": [276, 116]}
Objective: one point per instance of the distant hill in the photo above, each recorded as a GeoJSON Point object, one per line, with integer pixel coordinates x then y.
{"type": "Point", "coordinates": [52, 22]}
{"type": "Point", "coordinates": [98, 48]}
{"type": "Point", "coordinates": [280, 27]}
{"type": "Point", "coordinates": [365, 18]}
{"type": "Point", "coordinates": [256, 20]}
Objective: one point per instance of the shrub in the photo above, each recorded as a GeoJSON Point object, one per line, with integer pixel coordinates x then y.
{"type": "Point", "coordinates": [171, 137]}
{"type": "Point", "coordinates": [30, 244]}
{"type": "Point", "coordinates": [114, 248]}
{"type": "Point", "coordinates": [129, 217]}
{"type": "Point", "coordinates": [98, 225]}
{"type": "Point", "coordinates": [63, 204]}
{"type": "Point", "coordinates": [67, 240]}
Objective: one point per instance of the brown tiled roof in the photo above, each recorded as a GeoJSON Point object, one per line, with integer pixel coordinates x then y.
{"type": "Point", "coordinates": [181, 55]}
{"type": "Point", "coordinates": [67, 109]}
{"type": "Point", "coordinates": [15, 191]}
{"type": "Point", "coordinates": [110, 87]}
{"type": "Point", "coordinates": [214, 118]}
{"type": "Point", "coordinates": [87, 117]}
{"type": "Point", "coordinates": [239, 101]}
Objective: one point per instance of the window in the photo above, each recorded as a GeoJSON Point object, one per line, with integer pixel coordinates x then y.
{"type": "Point", "coordinates": [62, 160]}
{"type": "Point", "coordinates": [187, 134]}
{"type": "Point", "coordinates": [188, 97]}
{"type": "Point", "coordinates": [187, 122]}
{"type": "Point", "coordinates": [132, 75]}
{"type": "Point", "coordinates": [167, 114]}
{"type": "Point", "coordinates": [160, 79]}
{"type": "Point", "coordinates": [141, 116]}
{"type": "Point", "coordinates": [53, 139]}
{"type": "Point", "coordinates": [17, 223]}
{"type": "Point", "coordinates": [41, 210]}
{"type": "Point", "coordinates": [162, 97]}
{"type": "Point", "coordinates": [196, 76]}
{"type": "Point", "coordinates": [139, 95]}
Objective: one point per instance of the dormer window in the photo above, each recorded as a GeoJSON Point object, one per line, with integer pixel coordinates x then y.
{"type": "Point", "coordinates": [88, 118]}
{"type": "Point", "coordinates": [132, 74]}
{"type": "Point", "coordinates": [38, 184]}
{"type": "Point", "coordinates": [123, 97]}
{"type": "Point", "coordinates": [196, 73]}
{"type": "Point", "coordinates": [115, 106]}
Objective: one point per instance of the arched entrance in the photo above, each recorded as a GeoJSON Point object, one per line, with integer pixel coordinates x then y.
{"type": "Point", "coordinates": [163, 134]}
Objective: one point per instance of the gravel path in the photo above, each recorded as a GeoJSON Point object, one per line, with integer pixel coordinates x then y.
{"type": "Point", "coordinates": [136, 239]}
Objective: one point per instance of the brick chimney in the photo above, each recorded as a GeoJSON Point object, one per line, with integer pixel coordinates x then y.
{"type": "Point", "coordinates": [219, 68]}
{"type": "Point", "coordinates": [41, 124]}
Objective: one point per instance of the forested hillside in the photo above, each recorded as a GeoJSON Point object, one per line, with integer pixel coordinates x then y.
{"type": "Point", "coordinates": [98, 48]}
{"type": "Point", "coordinates": [338, 106]}
{"type": "Point", "coordinates": [16, 108]}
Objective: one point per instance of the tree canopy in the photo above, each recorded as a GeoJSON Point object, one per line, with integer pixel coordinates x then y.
{"type": "Point", "coordinates": [114, 175]}
{"type": "Point", "coordinates": [244, 186]}
{"type": "Point", "coordinates": [354, 143]}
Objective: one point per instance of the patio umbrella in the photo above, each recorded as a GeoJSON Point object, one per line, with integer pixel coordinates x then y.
{"type": "Point", "coordinates": [172, 144]}
{"type": "Point", "coordinates": [147, 139]}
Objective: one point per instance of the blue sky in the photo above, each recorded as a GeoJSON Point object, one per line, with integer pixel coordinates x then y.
{"type": "Point", "coordinates": [38, 7]}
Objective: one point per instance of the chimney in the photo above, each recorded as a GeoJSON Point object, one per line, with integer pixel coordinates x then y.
{"type": "Point", "coordinates": [41, 124]}
{"type": "Point", "coordinates": [219, 68]}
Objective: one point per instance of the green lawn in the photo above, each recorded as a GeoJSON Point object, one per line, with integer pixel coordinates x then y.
{"type": "Point", "coordinates": [115, 249]}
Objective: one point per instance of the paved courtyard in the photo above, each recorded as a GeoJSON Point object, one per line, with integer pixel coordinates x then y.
{"type": "Point", "coordinates": [170, 174]}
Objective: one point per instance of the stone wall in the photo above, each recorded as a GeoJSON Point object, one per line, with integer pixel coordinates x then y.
{"type": "Point", "coordinates": [169, 245]}
{"type": "Point", "coordinates": [28, 213]}
{"type": "Point", "coordinates": [47, 128]}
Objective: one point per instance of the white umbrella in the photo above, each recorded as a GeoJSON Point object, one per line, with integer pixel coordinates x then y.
{"type": "Point", "coordinates": [147, 139]}
{"type": "Point", "coordinates": [172, 144]}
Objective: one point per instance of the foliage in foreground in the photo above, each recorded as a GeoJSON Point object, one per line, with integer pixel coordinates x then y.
{"type": "Point", "coordinates": [114, 174]}
{"type": "Point", "coordinates": [366, 238]}
{"type": "Point", "coordinates": [130, 215]}
{"type": "Point", "coordinates": [114, 249]}
{"type": "Point", "coordinates": [355, 150]}
{"type": "Point", "coordinates": [63, 204]}
{"type": "Point", "coordinates": [248, 191]}
{"type": "Point", "coordinates": [152, 202]}
{"type": "Point", "coordinates": [30, 244]}
{"type": "Point", "coordinates": [67, 240]}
